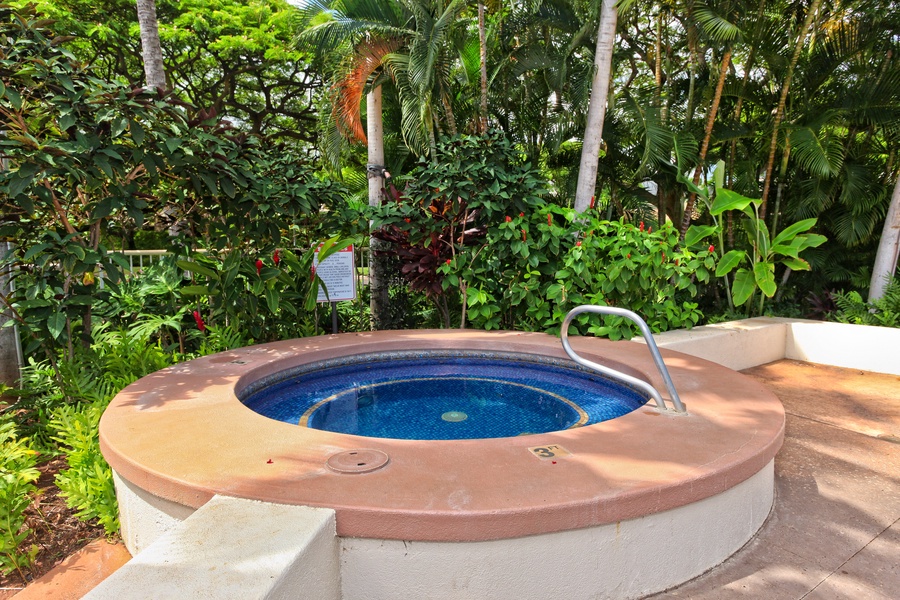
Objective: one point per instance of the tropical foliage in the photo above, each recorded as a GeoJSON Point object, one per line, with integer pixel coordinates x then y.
{"type": "Point", "coordinates": [254, 156]}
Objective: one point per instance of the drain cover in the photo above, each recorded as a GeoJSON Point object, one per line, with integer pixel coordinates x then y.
{"type": "Point", "coordinates": [454, 416]}
{"type": "Point", "coordinates": [363, 460]}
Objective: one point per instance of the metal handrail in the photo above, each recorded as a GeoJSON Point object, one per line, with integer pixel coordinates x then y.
{"type": "Point", "coordinates": [651, 344]}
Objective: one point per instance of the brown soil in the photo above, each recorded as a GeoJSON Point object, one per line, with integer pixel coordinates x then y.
{"type": "Point", "coordinates": [54, 530]}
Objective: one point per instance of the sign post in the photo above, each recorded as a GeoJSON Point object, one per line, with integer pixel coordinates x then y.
{"type": "Point", "coordinates": [338, 273]}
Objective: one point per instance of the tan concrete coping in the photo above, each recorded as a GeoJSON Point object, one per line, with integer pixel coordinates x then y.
{"type": "Point", "coordinates": [182, 435]}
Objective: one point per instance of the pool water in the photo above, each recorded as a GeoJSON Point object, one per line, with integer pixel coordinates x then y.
{"type": "Point", "coordinates": [444, 397]}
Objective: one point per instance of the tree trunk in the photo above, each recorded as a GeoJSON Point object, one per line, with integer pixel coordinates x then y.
{"type": "Point", "coordinates": [782, 101]}
{"type": "Point", "coordinates": [593, 132]}
{"type": "Point", "coordinates": [482, 43]}
{"type": "Point", "coordinates": [888, 248]}
{"type": "Point", "coordinates": [10, 347]}
{"type": "Point", "coordinates": [707, 135]}
{"type": "Point", "coordinates": [378, 277]}
{"type": "Point", "coordinates": [151, 50]}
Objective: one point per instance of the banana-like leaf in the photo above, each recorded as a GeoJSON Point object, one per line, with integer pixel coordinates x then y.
{"type": "Point", "coordinates": [742, 287]}
{"type": "Point", "coordinates": [788, 233]}
{"type": "Point", "coordinates": [764, 275]}
{"type": "Point", "coordinates": [728, 262]}
{"type": "Point", "coordinates": [729, 200]}
{"type": "Point", "coordinates": [796, 264]}
{"type": "Point", "coordinates": [696, 233]}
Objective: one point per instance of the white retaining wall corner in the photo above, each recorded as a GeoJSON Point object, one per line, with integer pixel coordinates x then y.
{"type": "Point", "coordinates": [143, 516]}
{"type": "Point", "coordinates": [750, 342]}
{"type": "Point", "coordinates": [863, 347]}
{"type": "Point", "coordinates": [623, 560]}
{"type": "Point", "coordinates": [236, 549]}
{"type": "Point", "coordinates": [735, 344]}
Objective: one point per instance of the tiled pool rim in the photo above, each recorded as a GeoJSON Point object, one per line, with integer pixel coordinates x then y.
{"type": "Point", "coordinates": [182, 436]}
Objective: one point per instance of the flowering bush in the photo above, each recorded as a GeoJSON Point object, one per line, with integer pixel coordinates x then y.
{"type": "Point", "coordinates": [531, 270]}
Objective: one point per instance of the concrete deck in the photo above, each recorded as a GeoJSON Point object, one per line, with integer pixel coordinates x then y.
{"type": "Point", "coordinates": [835, 528]}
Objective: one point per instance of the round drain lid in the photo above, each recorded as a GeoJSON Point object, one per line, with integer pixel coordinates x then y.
{"type": "Point", "coordinates": [362, 460]}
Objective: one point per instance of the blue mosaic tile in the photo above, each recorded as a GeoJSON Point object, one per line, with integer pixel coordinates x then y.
{"type": "Point", "coordinates": [441, 395]}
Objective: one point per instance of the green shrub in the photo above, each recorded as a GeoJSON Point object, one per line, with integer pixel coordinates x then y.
{"type": "Point", "coordinates": [17, 490]}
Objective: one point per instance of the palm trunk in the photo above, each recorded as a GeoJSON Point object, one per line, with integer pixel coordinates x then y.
{"type": "Point", "coordinates": [151, 50]}
{"type": "Point", "coordinates": [482, 43]}
{"type": "Point", "coordinates": [707, 135]}
{"type": "Point", "coordinates": [378, 276]}
{"type": "Point", "coordinates": [593, 133]}
{"type": "Point", "coordinates": [888, 248]}
{"type": "Point", "coordinates": [782, 101]}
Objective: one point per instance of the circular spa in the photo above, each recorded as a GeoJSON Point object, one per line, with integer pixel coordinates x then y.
{"type": "Point", "coordinates": [460, 463]}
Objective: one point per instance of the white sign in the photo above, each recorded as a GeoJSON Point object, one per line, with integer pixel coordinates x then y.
{"type": "Point", "coordinates": [338, 273]}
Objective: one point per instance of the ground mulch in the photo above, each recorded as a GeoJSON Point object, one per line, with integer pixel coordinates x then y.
{"type": "Point", "coordinates": [55, 530]}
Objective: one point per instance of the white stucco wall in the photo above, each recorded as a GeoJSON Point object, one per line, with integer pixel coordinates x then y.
{"type": "Point", "coordinates": [621, 560]}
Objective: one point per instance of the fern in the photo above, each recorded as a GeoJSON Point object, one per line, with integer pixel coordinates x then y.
{"type": "Point", "coordinates": [884, 312]}
{"type": "Point", "coordinates": [17, 490]}
{"type": "Point", "coordinates": [87, 485]}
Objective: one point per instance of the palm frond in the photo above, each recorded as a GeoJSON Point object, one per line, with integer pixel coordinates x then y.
{"type": "Point", "coordinates": [348, 92]}
{"type": "Point", "coordinates": [821, 153]}
{"type": "Point", "coordinates": [716, 26]}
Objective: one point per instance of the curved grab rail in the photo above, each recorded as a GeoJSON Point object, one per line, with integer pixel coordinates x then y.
{"type": "Point", "coordinates": [651, 344]}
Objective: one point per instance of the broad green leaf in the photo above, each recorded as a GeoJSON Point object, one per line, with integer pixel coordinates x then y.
{"type": "Point", "coordinates": [783, 250]}
{"type": "Point", "coordinates": [196, 290]}
{"type": "Point", "coordinates": [809, 240]}
{"type": "Point", "coordinates": [729, 200]}
{"type": "Point", "coordinates": [172, 144]}
{"type": "Point", "coordinates": [34, 251]}
{"type": "Point", "coordinates": [764, 274]}
{"type": "Point", "coordinates": [728, 262]}
{"type": "Point", "coordinates": [742, 287]}
{"type": "Point", "coordinates": [102, 210]}
{"type": "Point", "coordinates": [719, 175]}
{"type": "Point", "coordinates": [696, 233]}
{"type": "Point", "coordinates": [227, 186]}
{"type": "Point", "coordinates": [137, 132]}
{"type": "Point", "coordinates": [797, 264]}
{"type": "Point", "coordinates": [189, 265]}
{"type": "Point", "coordinates": [55, 324]}
{"type": "Point", "coordinates": [272, 298]}
{"type": "Point", "coordinates": [788, 233]}
{"type": "Point", "coordinates": [18, 184]}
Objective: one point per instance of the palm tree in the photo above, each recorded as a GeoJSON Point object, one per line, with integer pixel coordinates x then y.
{"type": "Point", "coordinates": [376, 41]}
{"type": "Point", "coordinates": [593, 132]}
{"type": "Point", "coordinates": [888, 248]}
{"type": "Point", "coordinates": [151, 50]}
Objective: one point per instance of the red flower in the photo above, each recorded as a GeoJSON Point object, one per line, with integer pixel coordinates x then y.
{"type": "Point", "coordinates": [642, 225]}
{"type": "Point", "coordinates": [508, 218]}
{"type": "Point", "coordinates": [200, 324]}
{"type": "Point", "coordinates": [524, 236]}
{"type": "Point", "coordinates": [649, 230]}
{"type": "Point", "coordinates": [448, 261]}
{"type": "Point", "coordinates": [521, 215]}
{"type": "Point", "coordinates": [549, 220]}
{"type": "Point", "coordinates": [712, 248]}
{"type": "Point", "coordinates": [628, 255]}
{"type": "Point", "coordinates": [276, 258]}
{"type": "Point", "coordinates": [593, 199]}
{"type": "Point", "coordinates": [578, 243]}
{"type": "Point", "coordinates": [259, 266]}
